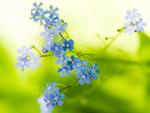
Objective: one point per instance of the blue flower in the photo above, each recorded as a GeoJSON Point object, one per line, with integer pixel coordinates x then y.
{"type": "Point", "coordinates": [93, 71]}
{"type": "Point", "coordinates": [52, 15]}
{"type": "Point", "coordinates": [47, 47]}
{"type": "Point", "coordinates": [78, 64]}
{"type": "Point", "coordinates": [57, 49]}
{"type": "Point", "coordinates": [37, 13]}
{"type": "Point", "coordinates": [134, 23]}
{"type": "Point", "coordinates": [58, 26]}
{"type": "Point", "coordinates": [49, 37]}
{"type": "Point", "coordinates": [50, 88]}
{"type": "Point", "coordinates": [84, 77]}
{"type": "Point", "coordinates": [129, 28]}
{"type": "Point", "coordinates": [45, 107]}
{"type": "Point", "coordinates": [68, 44]}
{"type": "Point", "coordinates": [36, 7]}
{"type": "Point", "coordinates": [56, 98]}
{"type": "Point", "coordinates": [50, 98]}
{"type": "Point", "coordinates": [27, 59]}
{"type": "Point", "coordinates": [62, 59]}
{"type": "Point", "coordinates": [64, 70]}
{"type": "Point", "coordinates": [48, 33]}
{"type": "Point", "coordinates": [70, 61]}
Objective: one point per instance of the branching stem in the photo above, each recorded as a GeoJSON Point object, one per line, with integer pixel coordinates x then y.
{"type": "Point", "coordinates": [68, 86]}
{"type": "Point", "coordinates": [114, 38]}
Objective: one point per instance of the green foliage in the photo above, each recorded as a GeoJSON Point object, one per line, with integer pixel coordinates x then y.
{"type": "Point", "coordinates": [123, 85]}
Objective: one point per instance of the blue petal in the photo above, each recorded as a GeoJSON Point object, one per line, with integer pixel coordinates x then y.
{"type": "Point", "coordinates": [78, 75]}
{"type": "Point", "coordinates": [62, 96]}
{"type": "Point", "coordinates": [87, 80]}
{"type": "Point", "coordinates": [60, 103]}
{"type": "Point", "coordinates": [81, 81]}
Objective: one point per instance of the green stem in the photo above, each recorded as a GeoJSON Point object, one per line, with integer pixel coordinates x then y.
{"type": "Point", "coordinates": [61, 36]}
{"type": "Point", "coordinates": [79, 54]}
{"type": "Point", "coordinates": [68, 86]}
{"type": "Point", "coordinates": [46, 55]}
{"type": "Point", "coordinates": [113, 39]}
{"type": "Point", "coordinates": [41, 55]}
{"type": "Point", "coordinates": [36, 50]}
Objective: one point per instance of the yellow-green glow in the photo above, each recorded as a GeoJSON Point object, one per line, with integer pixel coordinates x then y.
{"type": "Point", "coordinates": [123, 86]}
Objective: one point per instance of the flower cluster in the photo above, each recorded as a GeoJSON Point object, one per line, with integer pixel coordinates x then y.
{"type": "Point", "coordinates": [134, 22]}
{"type": "Point", "coordinates": [62, 48]}
{"type": "Point", "coordinates": [53, 27]}
{"type": "Point", "coordinates": [50, 98]}
{"type": "Point", "coordinates": [27, 58]}
{"type": "Point", "coordinates": [84, 71]}
{"type": "Point", "coordinates": [58, 46]}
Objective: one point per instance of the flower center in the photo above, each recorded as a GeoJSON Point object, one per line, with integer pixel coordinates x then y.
{"type": "Point", "coordinates": [24, 59]}
{"type": "Point", "coordinates": [79, 64]}
{"type": "Point", "coordinates": [83, 76]}
{"type": "Point", "coordinates": [49, 88]}
{"type": "Point", "coordinates": [61, 58]}
{"type": "Point", "coordinates": [93, 71]}
{"type": "Point", "coordinates": [48, 101]}
{"type": "Point", "coordinates": [56, 48]}
{"type": "Point", "coordinates": [67, 45]}
{"type": "Point", "coordinates": [56, 98]}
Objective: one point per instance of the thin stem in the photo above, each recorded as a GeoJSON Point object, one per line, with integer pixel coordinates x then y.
{"type": "Point", "coordinates": [80, 54]}
{"type": "Point", "coordinates": [41, 55]}
{"type": "Point", "coordinates": [101, 39]}
{"type": "Point", "coordinates": [86, 54]}
{"type": "Point", "coordinates": [46, 55]}
{"type": "Point", "coordinates": [113, 39]}
{"type": "Point", "coordinates": [36, 50]}
{"type": "Point", "coordinates": [61, 36]}
{"type": "Point", "coordinates": [68, 86]}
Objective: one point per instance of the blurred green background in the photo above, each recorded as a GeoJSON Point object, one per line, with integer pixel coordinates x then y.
{"type": "Point", "coordinates": [124, 83]}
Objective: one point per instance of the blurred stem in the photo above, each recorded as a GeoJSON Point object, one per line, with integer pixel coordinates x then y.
{"type": "Point", "coordinates": [41, 55]}
{"type": "Point", "coordinates": [68, 86]}
{"type": "Point", "coordinates": [79, 54]}
{"type": "Point", "coordinates": [61, 36]}
{"type": "Point", "coordinates": [113, 38]}
{"type": "Point", "coordinates": [46, 55]}
{"type": "Point", "coordinates": [36, 50]}
{"type": "Point", "coordinates": [66, 35]}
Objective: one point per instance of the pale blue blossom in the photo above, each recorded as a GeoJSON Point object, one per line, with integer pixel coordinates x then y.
{"type": "Point", "coordinates": [134, 23]}
{"type": "Point", "coordinates": [27, 58]}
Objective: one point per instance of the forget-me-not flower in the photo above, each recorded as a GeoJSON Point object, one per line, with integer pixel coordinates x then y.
{"type": "Point", "coordinates": [38, 13]}
{"type": "Point", "coordinates": [44, 107]}
{"type": "Point", "coordinates": [93, 71]}
{"type": "Point", "coordinates": [84, 77]}
{"type": "Point", "coordinates": [68, 44]}
{"type": "Point", "coordinates": [62, 59]}
{"type": "Point", "coordinates": [57, 49]}
{"type": "Point", "coordinates": [27, 58]}
{"type": "Point", "coordinates": [64, 70]}
{"type": "Point", "coordinates": [134, 22]}
{"type": "Point", "coordinates": [78, 64]}
{"type": "Point", "coordinates": [56, 98]}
